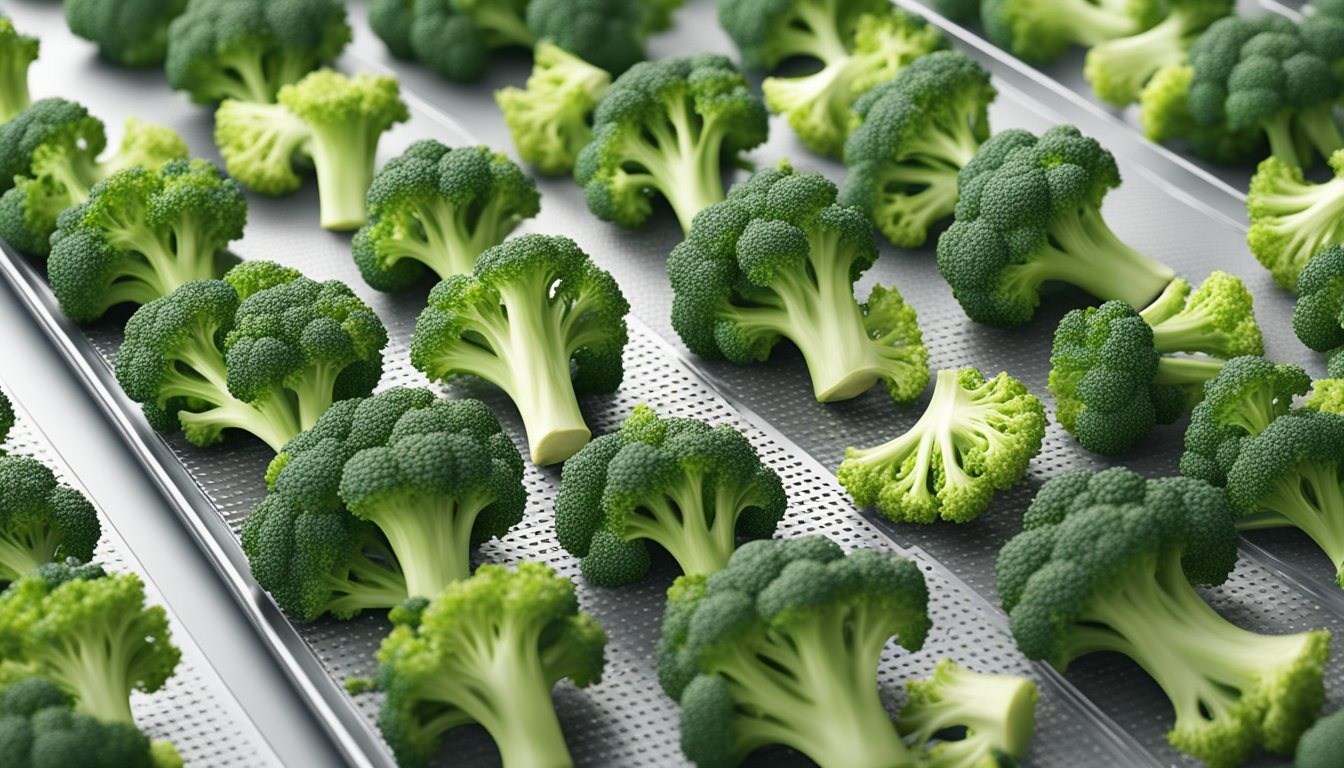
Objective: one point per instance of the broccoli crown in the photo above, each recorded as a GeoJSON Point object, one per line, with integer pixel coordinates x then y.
{"type": "Point", "coordinates": [668, 126]}
{"type": "Point", "coordinates": [606, 33]}
{"type": "Point", "coordinates": [537, 318]}
{"type": "Point", "coordinates": [41, 519]}
{"type": "Point", "coordinates": [6, 417]}
{"type": "Point", "coordinates": [782, 647]}
{"type": "Point", "coordinates": [261, 145]}
{"type": "Point", "coordinates": [391, 21]}
{"type": "Point", "coordinates": [248, 49]}
{"type": "Point", "coordinates": [1246, 395]}
{"type": "Point", "coordinates": [778, 259]}
{"type": "Point", "coordinates": [1318, 315]}
{"type": "Point", "coordinates": [142, 234]}
{"type": "Point", "coordinates": [40, 729]}
{"type": "Point", "coordinates": [455, 37]}
{"type": "Point", "coordinates": [767, 32]}
{"type": "Point", "coordinates": [131, 34]}
{"type": "Point", "coordinates": [975, 437]}
{"type": "Point", "coordinates": [487, 650]}
{"type": "Point", "coordinates": [55, 123]}
{"type": "Point", "coordinates": [1292, 219]}
{"type": "Point", "coordinates": [1038, 31]}
{"type": "Point", "coordinates": [997, 713]}
{"type": "Point", "coordinates": [1118, 68]}
{"type": "Point", "coordinates": [90, 633]}
{"type": "Point", "coordinates": [1164, 114]}
{"type": "Point", "coordinates": [1322, 744]}
{"type": "Point", "coordinates": [1106, 562]}
{"type": "Point", "coordinates": [660, 13]}
{"type": "Point", "coordinates": [691, 488]}
{"type": "Point", "coordinates": [17, 52]}
{"type": "Point", "coordinates": [434, 208]}
{"type": "Point", "coordinates": [1030, 212]}
{"type": "Point", "coordinates": [915, 134]}
{"type": "Point", "coordinates": [551, 119]}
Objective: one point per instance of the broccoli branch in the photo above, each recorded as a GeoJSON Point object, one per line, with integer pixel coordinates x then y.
{"type": "Point", "coordinates": [1308, 498]}
{"type": "Point", "coordinates": [701, 540]}
{"type": "Point", "coordinates": [681, 160]}
{"type": "Point", "coordinates": [430, 536]}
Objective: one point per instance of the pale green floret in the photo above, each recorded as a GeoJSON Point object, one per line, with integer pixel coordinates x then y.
{"type": "Point", "coordinates": [260, 144]}
{"type": "Point", "coordinates": [551, 118]}
{"type": "Point", "coordinates": [1293, 219]}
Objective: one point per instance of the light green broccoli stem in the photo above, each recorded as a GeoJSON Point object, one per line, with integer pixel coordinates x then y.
{"type": "Point", "coordinates": [812, 32]}
{"type": "Point", "coordinates": [1294, 134]}
{"type": "Point", "coordinates": [1119, 68]}
{"type": "Point", "coordinates": [1307, 216]}
{"type": "Point", "coordinates": [343, 154]}
{"type": "Point", "coordinates": [22, 550]}
{"type": "Point", "coordinates": [14, 63]}
{"type": "Point", "coordinates": [1088, 24]}
{"type": "Point", "coordinates": [502, 23]}
{"type": "Point", "coordinates": [312, 389]}
{"type": "Point", "coordinates": [682, 161]}
{"type": "Point", "coordinates": [1194, 329]}
{"type": "Point", "coordinates": [997, 712]}
{"type": "Point", "coordinates": [95, 664]}
{"type": "Point", "coordinates": [430, 536]}
{"type": "Point", "coordinates": [1309, 499]}
{"type": "Point", "coordinates": [172, 258]}
{"type": "Point", "coordinates": [239, 76]}
{"type": "Point", "coordinates": [376, 586]}
{"type": "Point", "coordinates": [1186, 371]}
{"type": "Point", "coordinates": [700, 539]}
{"type": "Point", "coordinates": [443, 247]}
{"type": "Point", "coordinates": [74, 173]}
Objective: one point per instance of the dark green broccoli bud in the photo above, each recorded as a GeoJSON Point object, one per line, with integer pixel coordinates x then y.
{"type": "Point", "coordinates": [782, 647]}
{"type": "Point", "coordinates": [1038, 31]}
{"type": "Point", "coordinates": [41, 519]}
{"type": "Point", "coordinates": [976, 437]}
{"type": "Point", "coordinates": [551, 119]}
{"type": "Point", "coordinates": [1292, 219]}
{"type": "Point", "coordinates": [90, 633]}
{"type": "Point", "coordinates": [486, 650]}
{"type": "Point", "coordinates": [391, 21]}
{"type": "Point", "coordinates": [455, 37]}
{"type": "Point", "coordinates": [606, 33]}
{"type": "Point", "coordinates": [915, 134]}
{"type": "Point", "coordinates": [997, 712]}
{"type": "Point", "coordinates": [39, 728]}
{"type": "Point", "coordinates": [668, 127]}
{"type": "Point", "coordinates": [538, 319]}
{"type": "Point", "coordinates": [131, 34]}
{"type": "Point", "coordinates": [247, 50]}
{"type": "Point", "coordinates": [142, 234]}
{"type": "Point", "coordinates": [1118, 68]}
{"type": "Point", "coordinates": [1032, 215]}
{"type": "Point", "coordinates": [960, 11]}
{"type": "Point", "coordinates": [439, 208]}
{"type": "Point", "coordinates": [1108, 562]}
{"type": "Point", "coordinates": [6, 418]}
{"type": "Point", "coordinates": [660, 14]}
{"type": "Point", "coordinates": [17, 52]}
{"type": "Point", "coordinates": [1322, 744]}
{"type": "Point", "coordinates": [779, 259]}
{"type": "Point", "coordinates": [1318, 315]}
{"type": "Point", "coordinates": [684, 485]}
{"type": "Point", "coordinates": [1165, 116]}
{"type": "Point", "coordinates": [1246, 395]}
{"type": "Point", "coordinates": [767, 32]}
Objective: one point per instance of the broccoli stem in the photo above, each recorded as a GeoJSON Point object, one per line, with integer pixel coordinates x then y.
{"type": "Point", "coordinates": [701, 540]}
{"type": "Point", "coordinates": [23, 550]}
{"type": "Point", "coordinates": [1082, 250]}
{"type": "Point", "coordinates": [1312, 501]}
{"type": "Point", "coordinates": [430, 536]}
{"type": "Point", "coordinates": [74, 171]}
{"type": "Point", "coordinates": [14, 96]}
{"type": "Point", "coordinates": [1192, 330]}
{"type": "Point", "coordinates": [1186, 371]}
{"type": "Point", "coordinates": [240, 76]}
{"type": "Point", "coordinates": [812, 32]}
{"type": "Point", "coordinates": [368, 585]}
{"type": "Point", "coordinates": [995, 710]}
{"type": "Point", "coordinates": [682, 161]}
{"type": "Point", "coordinates": [1119, 68]}
{"type": "Point", "coordinates": [199, 377]}
{"type": "Point", "coordinates": [96, 667]}
{"type": "Point", "coordinates": [503, 24]}
{"type": "Point", "coordinates": [1310, 215]}
{"type": "Point", "coordinates": [1089, 25]}
{"type": "Point", "coordinates": [343, 155]}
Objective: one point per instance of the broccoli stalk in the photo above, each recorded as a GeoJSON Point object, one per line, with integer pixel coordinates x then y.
{"type": "Point", "coordinates": [41, 520]}
{"type": "Point", "coordinates": [1292, 219]}
{"type": "Point", "coordinates": [17, 53]}
{"type": "Point", "coordinates": [551, 119]}
{"type": "Point", "coordinates": [1119, 68]}
{"type": "Point", "coordinates": [1041, 30]}
{"type": "Point", "coordinates": [997, 713]}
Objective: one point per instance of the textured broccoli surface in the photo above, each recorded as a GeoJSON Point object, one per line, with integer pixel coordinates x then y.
{"type": "Point", "coordinates": [6, 418]}
{"type": "Point", "coordinates": [1030, 213]}
{"type": "Point", "coordinates": [779, 259]}
{"type": "Point", "coordinates": [455, 37]}
{"type": "Point", "coordinates": [609, 34]}
{"type": "Point", "coordinates": [1293, 219]}
{"type": "Point", "coordinates": [1108, 562]}
{"type": "Point", "coordinates": [436, 209]}
{"type": "Point", "coordinates": [1042, 30]}
{"type": "Point", "coordinates": [782, 647]}
{"type": "Point", "coordinates": [1322, 744]}
{"type": "Point", "coordinates": [1165, 116]}
{"type": "Point", "coordinates": [130, 33]}
{"type": "Point", "coordinates": [688, 487]}
{"type": "Point", "coordinates": [996, 712]}
{"type": "Point", "coordinates": [391, 21]}
{"type": "Point", "coordinates": [1119, 68]}
{"type": "Point", "coordinates": [769, 32]}
{"type": "Point", "coordinates": [551, 118]}
{"type": "Point", "coordinates": [1318, 315]}
{"type": "Point", "coordinates": [668, 127]}
{"type": "Point", "coordinates": [17, 52]}
{"type": "Point", "coordinates": [40, 728]}
{"type": "Point", "coordinates": [41, 519]}
{"type": "Point", "coordinates": [975, 437]}
{"type": "Point", "coordinates": [537, 318]}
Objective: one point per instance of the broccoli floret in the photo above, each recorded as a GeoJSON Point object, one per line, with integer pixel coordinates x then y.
{"type": "Point", "coordinates": [382, 500]}
{"type": "Point", "coordinates": [455, 37]}
{"type": "Point", "coordinates": [141, 235]}
{"type": "Point", "coordinates": [975, 437]}
{"type": "Point", "coordinates": [1118, 68]}
{"type": "Point", "coordinates": [1322, 744]}
{"type": "Point", "coordinates": [6, 418]}
{"type": "Point", "coordinates": [668, 127]}
{"type": "Point", "coordinates": [690, 488]}
{"type": "Point", "coordinates": [41, 519]}
{"type": "Point", "coordinates": [660, 14]}
{"type": "Point", "coordinates": [782, 647]}
{"type": "Point", "coordinates": [1039, 31]}
{"type": "Point", "coordinates": [997, 713]}
{"type": "Point", "coordinates": [17, 52]}
{"type": "Point", "coordinates": [247, 50]}
{"type": "Point", "coordinates": [39, 728]}
{"type": "Point", "coordinates": [1292, 219]}
{"type": "Point", "coordinates": [1108, 562]}
{"type": "Point", "coordinates": [1246, 395]}
{"type": "Point", "coordinates": [439, 208]}
{"type": "Point", "coordinates": [1164, 114]}
{"type": "Point", "coordinates": [551, 119]}
{"type": "Point", "coordinates": [49, 153]}
{"type": "Point", "coordinates": [1326, 395]}
{"type": "Point", "coordinates": [1029, 213]}
{"type": "Point", "coordinates": [779, 259]}
{"type": "Point", "coordinates": [486, 650]}
{"type": "Point", "coordinates": [1318, 316]}
{"type": "Point", "coordinates": [90, 633]}
{"type": "Point", "coordinates": [131, 34]}
{"type": "Point", "coordinates": [538, 319]}
{"type": "Point", "coordinates": [915, 134]}
{"type": "Point", "coordinates": [606, 33]}
{"type": "Point", "coordinates": [391, 21]}
{"type": "Point", "coordinates": [768, 32]}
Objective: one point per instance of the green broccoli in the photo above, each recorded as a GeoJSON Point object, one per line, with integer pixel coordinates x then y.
{"type": "Point", "coordinates": [486, 650]}
{"type": "Point", "coordinates": [1030, 213]}
{"type": "Point", "coordinates": [661, 13]}
{"type": "Point", "coordinates": [436, 209]}
{"type": "Point", "coordinates": [538, 319]}
{"type": "Point", "coordinates": [1108, 562]}
{"type": "Point", "coordinates": [779, 259]}
{"type": "Point", "coordinates": [1322, 744]}
{"type": "Point", "coordinates": [383, 500]}
{"type": "Point", "coordinates": [605, 33]}
{"type": "Point", "coordinates": [782, 647]}
{"type": "Point", "coordinates": [551, 118]}
{"type": "Point", "coordinates": [326, 118]}
{"type": "Point", "coordinates": [90, 633]}
{"type": "Point", "coordinates": [130, 34]}
{"type": "Point", "coordinates": [391, 21]}
{"type": "Point", "coordinates": [1165, 116]}
{"type": "Point", "coordinates": [976, 437]}
{"type": "Point", "coordinates": [690, 488]}
{"type": "Point", "coordinates": [17, 52]}
{"type": "Point", "coordinates": [915, 133]}
{"type": "Point", "coordinates": [49, 162]}
{"type": "Point", "coordinates": [1326, 395]}
{"type": "Point", "coordinates": [141, 235]}
{"type": "Point", "coordinates": [997, 712]}
{"type": "Point", "coordinates": [6, 418]}
{"type": "Point", "coordinates": [41, 519]}
{"type": "Point", "coordinates": [247, 50]}
{"type": "Point", "coordinates": [455, 37]}
{"type": "Point", "coordinates": [1292, 219]}
{"type": "Point", "coordinates": [1039, 31]}
{"type": "Point", "coordinates": [1318, 316]}
{"type": "Point", "coordinates": [960, 11]}
{"type": "Point", "coordinates": [769, 32]}
{"type": "Point", "coordinates": [1118, 68]}
{"type": "Point", "coordinates": [668, 127]}
{"type": "Point", "coordinates": [39, 728]}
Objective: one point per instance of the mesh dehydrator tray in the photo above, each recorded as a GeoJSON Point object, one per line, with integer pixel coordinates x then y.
{"type": "Point", "coordinates": [1102, 713]}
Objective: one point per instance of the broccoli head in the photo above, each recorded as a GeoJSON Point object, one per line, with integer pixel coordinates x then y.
{"type": "Point", "coordinates": [1292, 219]}
{"type": "Point", "coordinates": [782, 647]}
{"type": "Point", "coordinates": [668, 127]}
{"type": "Point", "coordinates": [538, 319]}
{"type": "Point", "coordinates": [551, 118]}
{"type": "Point", "coordinates": [436, 209]}
{"type": "Point", "coordinates": [1030, 213]}
{"type": "Point", "coordinates": [1118, 68]}
{"type": "Point", "coordinates": [684, 485]}
{"type": "Point", "coordinates": [779, 259]}
{"type": "Point", "coordinates": [1039, 31]}
{"type": "Point", "coordinates": [391, 21]}
{"type": "Point", "coordinates": [131, 34]}
{"type": "Point", "coordinates": [1318, 315]}
{"type": "Point", "coordinates": [605, 33]}
{"type": "Point", "coordinates": [1323, 743]}
{"type": "Point", "coordinates": [17, 52]}
{"type": "Point", "coordinates": [997, 713]}
{"type": "Point", "coordinates": [40, 728]}
{"type": "Point", "coordinates": [455, 37]}
{"type": "Point", "coordinates": [1108, 561]}
{"type": "Point", "coordinates": [914, 135]}
{"type": "Point", "coordinates": [976, 437]}
{"type": "Point", "coordinates": [768, 32]}
{"type": "Point", "coordinates": [1164, 115]}
{"type": "Point", "coordinates": [41, 519]}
